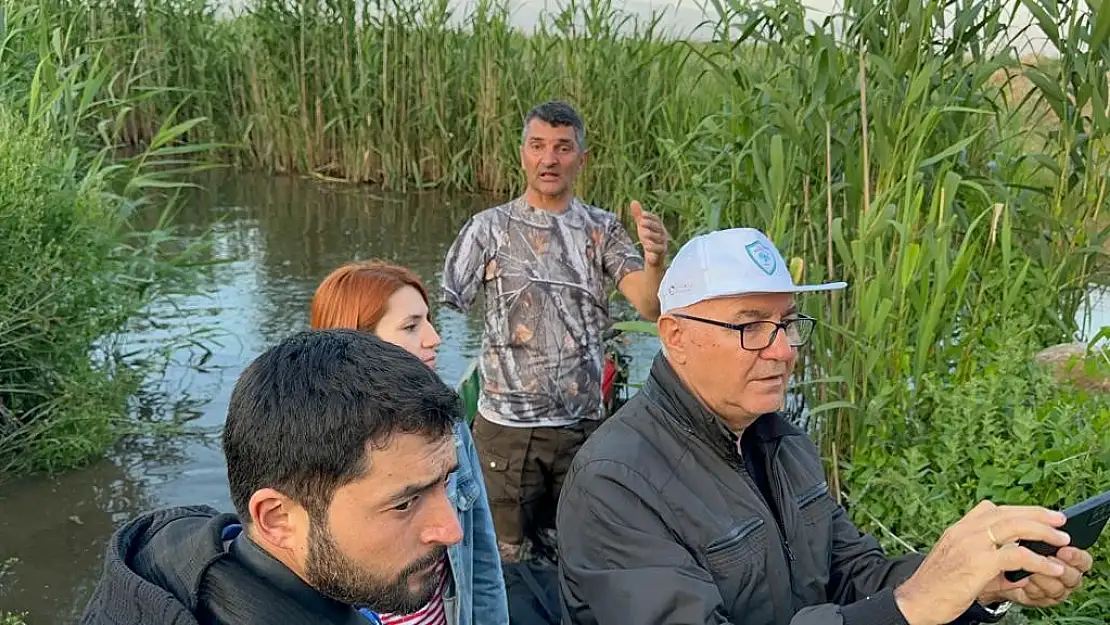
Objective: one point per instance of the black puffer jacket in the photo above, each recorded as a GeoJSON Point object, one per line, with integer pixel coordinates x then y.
{"type": "Point", "coordinates": [661, 523]}
{"type": "Point", "coordinates": [178, 566]}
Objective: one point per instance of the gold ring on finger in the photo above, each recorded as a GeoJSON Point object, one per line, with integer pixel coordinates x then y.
{"type": "Point", "coordinates": [994, 540]}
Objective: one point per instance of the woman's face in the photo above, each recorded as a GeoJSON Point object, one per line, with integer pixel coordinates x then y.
{"type": "Point", "coordinates": [406, 325]}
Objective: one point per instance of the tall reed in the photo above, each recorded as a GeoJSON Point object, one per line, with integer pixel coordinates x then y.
{"type": "Point", "coordinates": [74, 273]}
{"type": "Point", "coordinates": [405, 94]}
{"type": "Point", "coordinates": [881, 147]}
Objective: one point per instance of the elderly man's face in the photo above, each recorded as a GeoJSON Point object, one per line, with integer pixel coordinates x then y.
{"type": "Point", "coordinates": [738, 384]}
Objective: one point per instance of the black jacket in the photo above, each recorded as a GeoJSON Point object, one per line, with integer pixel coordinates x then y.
{"type": "Point", "coordinates": [175, 567]}
{"type": "Point", "coordinates": [661, 523]}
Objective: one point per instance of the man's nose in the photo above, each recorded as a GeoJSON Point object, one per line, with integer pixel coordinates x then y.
{"type": "Point", "coordinates": [444, 528]}
{"type": "Point", "coordinates": [780, 348]}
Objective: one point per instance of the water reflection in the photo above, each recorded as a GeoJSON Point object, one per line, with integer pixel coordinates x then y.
{"type": "Point", "coordinates": [56, 528]}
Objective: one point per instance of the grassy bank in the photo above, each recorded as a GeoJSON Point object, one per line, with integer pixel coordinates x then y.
{"type": "Point", "coordinates": [74, 274]}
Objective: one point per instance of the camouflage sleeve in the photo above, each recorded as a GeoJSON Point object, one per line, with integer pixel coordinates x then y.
{"type": "Point", "coordinates": [621, 257]}
{"type": "Point", "coordinates": [463, 267]}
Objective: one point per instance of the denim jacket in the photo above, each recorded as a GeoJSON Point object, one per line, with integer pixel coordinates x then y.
{"type": "Point", "coordinates": [478, 595]}
{"type": "Point", "coordinates": [475, 560]}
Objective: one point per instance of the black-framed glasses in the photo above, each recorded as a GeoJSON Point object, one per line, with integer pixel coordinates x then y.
{"type": "Point", "coordinates": [757, 335]}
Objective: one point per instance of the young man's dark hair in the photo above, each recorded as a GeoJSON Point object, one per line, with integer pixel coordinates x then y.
{"type": "Point", "coordinates": [303, 414]}
{"type": "Point", "coordinates": [558, 113]}
{"type": "Point", "coordinates": [340, 447]}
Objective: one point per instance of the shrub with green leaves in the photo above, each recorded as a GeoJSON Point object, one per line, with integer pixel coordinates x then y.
{"type": "Point", "coordinates": [72, 276]}
{"type": "Point", "coordinates": [1009, 434]}
{"type": "Point", "coordinates": [63, 285]}
{"type": "Point", "coordinates": [74, 272]}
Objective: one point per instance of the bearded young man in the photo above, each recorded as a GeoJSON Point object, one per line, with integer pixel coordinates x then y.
{"type": "Point", "coordinates": [339, 447]}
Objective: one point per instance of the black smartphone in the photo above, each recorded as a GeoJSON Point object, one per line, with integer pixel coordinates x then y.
{"type": "Point", "coordinates": [1085, 522]}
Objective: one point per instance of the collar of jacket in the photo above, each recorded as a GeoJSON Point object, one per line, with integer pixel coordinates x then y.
{"type": "Point", "coordinates": [665, 388]}
{"type": "Point", "coordinates": [268, 568]}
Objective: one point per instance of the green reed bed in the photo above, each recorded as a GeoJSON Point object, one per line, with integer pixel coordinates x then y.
{"type": "Point", "coordinates": [968, 222]}
{"type": "Point", "coordinates": [894, 161]}
{"type": "Point", "coordinates": [406, 94]}
{"type": "Point", "coordinates": [74, 274]}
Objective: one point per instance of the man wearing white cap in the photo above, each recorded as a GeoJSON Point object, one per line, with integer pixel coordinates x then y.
{"type": "Point", "coordinates": [699, 503]}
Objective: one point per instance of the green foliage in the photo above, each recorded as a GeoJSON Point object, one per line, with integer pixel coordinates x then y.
{"type": "Point", "coordinates": [894, 157]}
{"type": "Point", "coordinates": [414, 94]}
{"type": "Point", "coordinates": [59, 293]}
{"type": "Point", "coordinates": [637, 326]}
{"type": "Point", "coordinates": [469, 388]}
{"type": "Point", "coordinates": [74, 274]}
{"type": "Point", "coordinates": [1008, 433]}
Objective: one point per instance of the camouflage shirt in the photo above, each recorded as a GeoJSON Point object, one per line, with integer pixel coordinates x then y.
{"type": "Point", "coordinates": [543, 279]}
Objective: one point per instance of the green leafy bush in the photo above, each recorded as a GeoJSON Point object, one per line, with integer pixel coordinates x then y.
{"type": "Point", "coordinates": [72, 276]}
{"type": "Point", "coordinates": [62, 286]}
{"type": "Point", "coordinates": [1010, 434]}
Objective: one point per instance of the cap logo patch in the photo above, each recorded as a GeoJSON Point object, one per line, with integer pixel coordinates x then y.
{"type": "Point", "coordinates": [762, 257]}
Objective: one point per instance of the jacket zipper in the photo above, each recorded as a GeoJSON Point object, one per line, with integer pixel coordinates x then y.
{"type": "Point", "coordinates": [737, 534]}
{"type": "Point", "coordinates": [812, 494]}
{"type": "Point", "coordinates": [772, 506]}
{"type": "Point", "coordinates": [738, 460]}
{"type": "Point", "coordinates": [777, 493]}
{"type": "Point", "coordinates": [776, 488]}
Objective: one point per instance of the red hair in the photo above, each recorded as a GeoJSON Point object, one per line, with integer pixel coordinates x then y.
{"type": "Point", "coordinates": [356, 295]}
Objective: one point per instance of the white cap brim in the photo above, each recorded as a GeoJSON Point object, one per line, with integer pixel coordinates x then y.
{"type": "Point", "coordinates": [729, 263]}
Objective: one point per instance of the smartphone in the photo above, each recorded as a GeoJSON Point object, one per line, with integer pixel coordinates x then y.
{"type": "Point", "coordinates": [1085, 522]}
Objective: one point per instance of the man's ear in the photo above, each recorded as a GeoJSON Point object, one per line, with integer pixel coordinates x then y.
{"type": "Point", "coordinates": [277, 520]}
{"type": "Point", "coordinates": [673, 338]}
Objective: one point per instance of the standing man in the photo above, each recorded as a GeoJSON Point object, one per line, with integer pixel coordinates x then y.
{"type": "Point", "coordinates": [541, 262]}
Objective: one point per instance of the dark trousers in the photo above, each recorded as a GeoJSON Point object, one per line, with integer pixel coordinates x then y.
{"type": "Point", "coordinates": [524, 470]}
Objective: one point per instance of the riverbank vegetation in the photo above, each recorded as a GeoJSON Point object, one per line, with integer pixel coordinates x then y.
{"type": "Point", "coordinates": [404, 94]}
{"type": "Point", "coordinates": [905, 147]}
{"type": "Point", "coordinates": [73, 273]}
{"type": "Point", "coordinates": [1009, 433]}
{"type": "Point", "coordinates": [969, 224]}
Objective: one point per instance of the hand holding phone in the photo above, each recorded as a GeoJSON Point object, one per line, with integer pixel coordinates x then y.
{"type": "Point", "coordinates": [1085, 522]}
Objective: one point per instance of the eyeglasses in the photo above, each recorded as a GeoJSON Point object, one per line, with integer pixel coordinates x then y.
{"type": "Point", "coordinates": [757, 335]}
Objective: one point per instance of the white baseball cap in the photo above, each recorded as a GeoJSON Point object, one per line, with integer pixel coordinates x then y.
{"type": "Point", "coordinates": [726, 263]}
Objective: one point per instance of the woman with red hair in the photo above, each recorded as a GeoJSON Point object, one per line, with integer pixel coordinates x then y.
{"type": "Point", "coordinates": [391, 302]}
